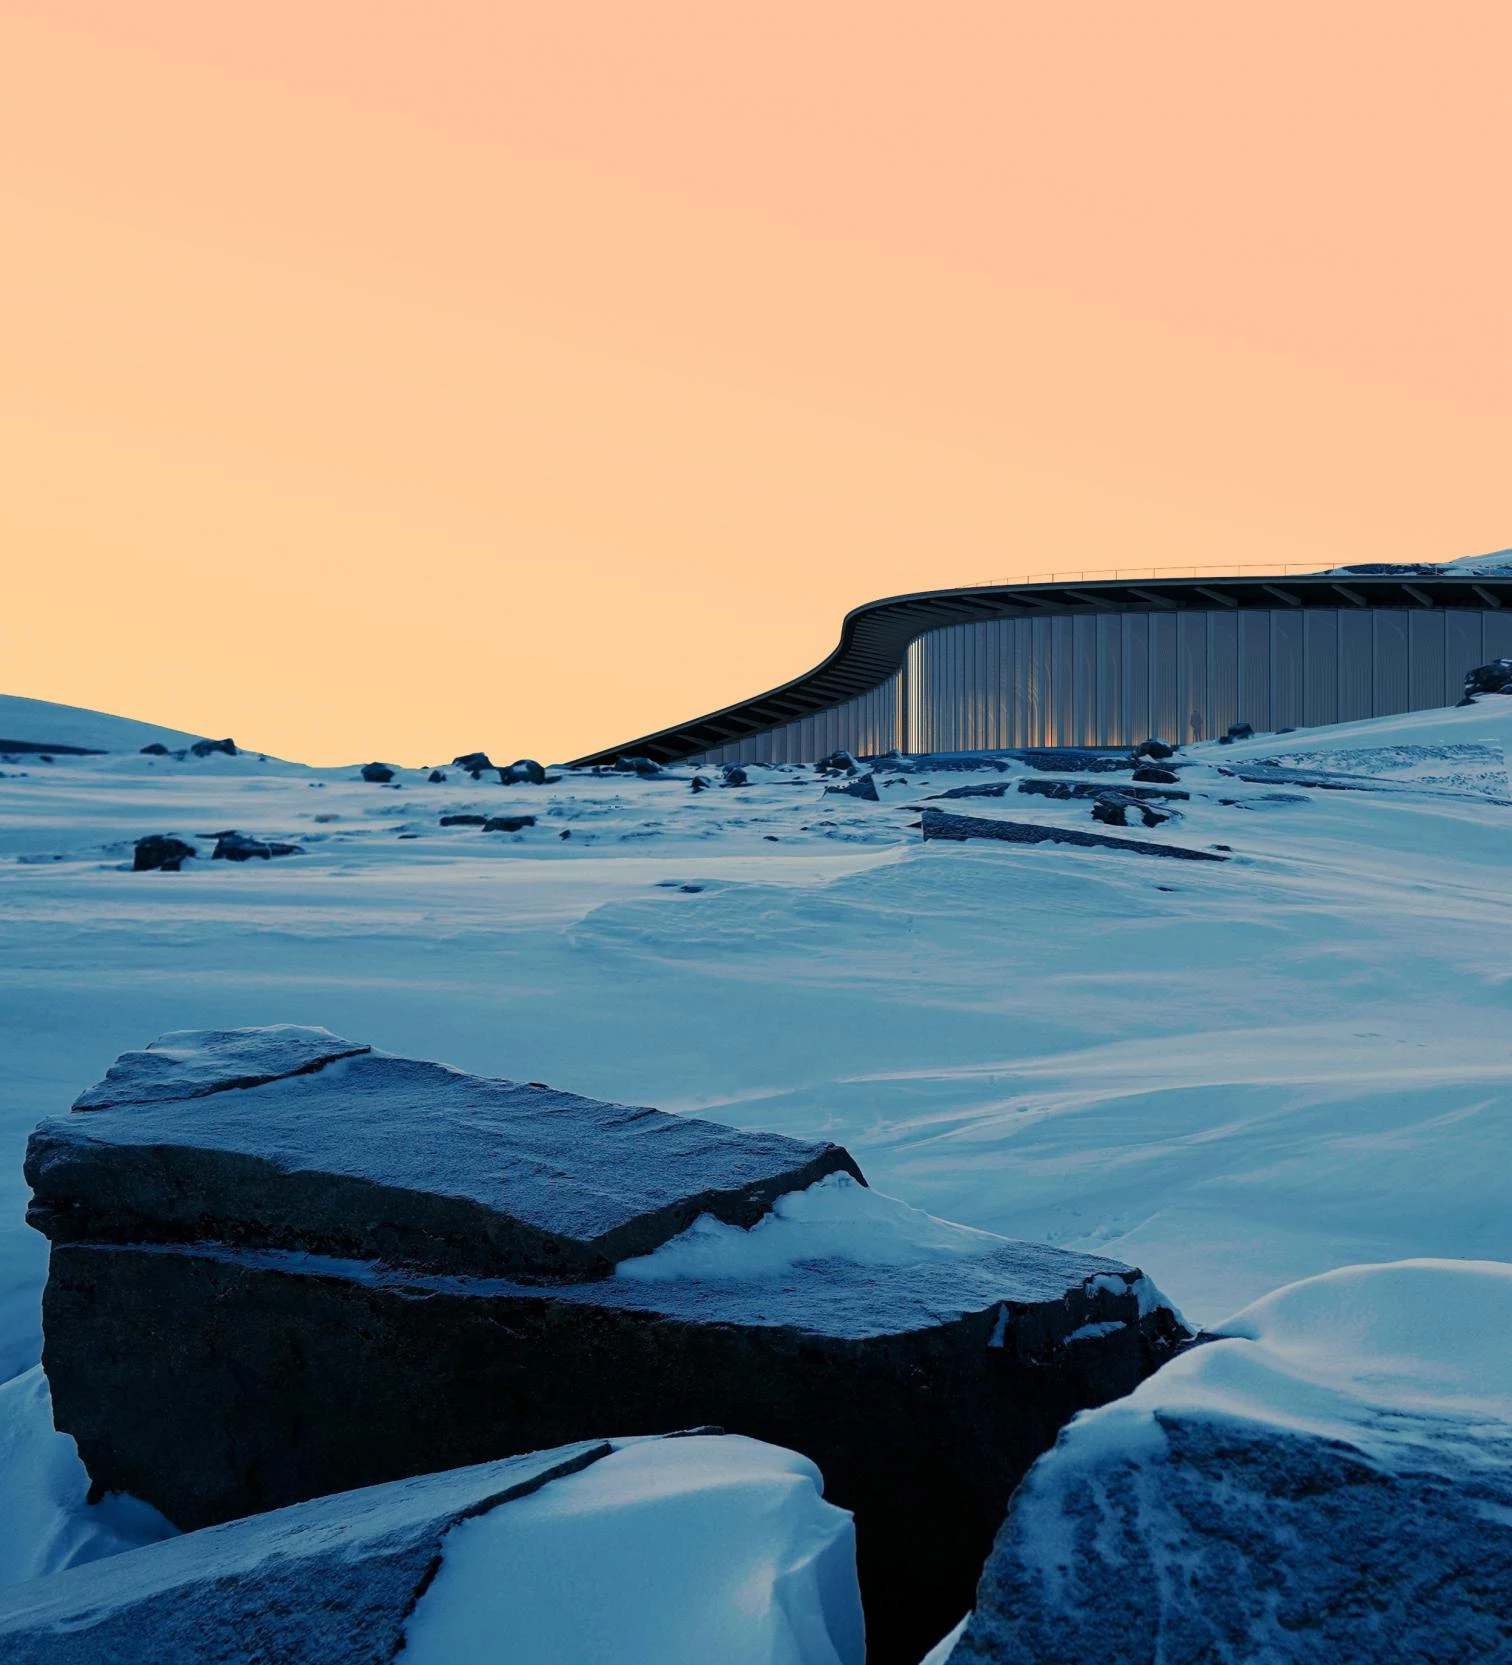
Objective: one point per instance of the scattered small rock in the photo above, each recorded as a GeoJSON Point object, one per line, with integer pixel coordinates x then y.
{"type": "Point", "coordinates": [204, 748]}
{"type": "Point", "coordinates": [236, 846]}
{"type": "Point", "coordinates": [508, 823]}
{"type": "Point", "coordinates": [159, 853]}
{"type": "Point", "coordinates": [378, 773]}
{"type": "Point", "coordinates": [463, 820]}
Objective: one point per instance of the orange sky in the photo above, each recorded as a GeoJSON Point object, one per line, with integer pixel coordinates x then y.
{"type": "Point", "coordinates": [389, 380]}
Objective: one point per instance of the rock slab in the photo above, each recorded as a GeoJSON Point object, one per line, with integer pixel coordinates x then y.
{"type": "Point", "coordinates": [334, 1580]}
{"type": "Point", "coordinates": [284, 1264]}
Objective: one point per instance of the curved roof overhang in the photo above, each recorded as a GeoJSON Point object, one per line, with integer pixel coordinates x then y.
{"type": "Point", "coordinates": [874, 638]}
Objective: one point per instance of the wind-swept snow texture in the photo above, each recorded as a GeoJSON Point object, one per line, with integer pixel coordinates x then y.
{"type": "Point", "coordinates": [675, 1551]}
{"type": "Point", "coordinates": [1329, 1482]}
{"type": "Point", "coordinates": [1233, 1074]}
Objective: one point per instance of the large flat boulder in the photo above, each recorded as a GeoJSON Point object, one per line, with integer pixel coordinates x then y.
{"type": "Point", "coordinates": [294, 1138]}
{"type": "Point", "coordinates": [374, 1267]}
{"type": "Point", "coordinates": [663, 1552]}
{"type": "Point", "coordinates": [1327, 1482]}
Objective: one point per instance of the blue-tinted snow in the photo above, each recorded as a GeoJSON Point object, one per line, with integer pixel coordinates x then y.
{"type": "Point", "coordinates": [1232, 1076]}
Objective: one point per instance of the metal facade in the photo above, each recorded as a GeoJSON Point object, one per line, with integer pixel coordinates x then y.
{"type": "Point", "coordinates": [1108, 665]}
{"type": "Point", "coordinates": [1115, 678]}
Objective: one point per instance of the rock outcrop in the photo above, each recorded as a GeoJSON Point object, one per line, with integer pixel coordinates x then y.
{"type": "Point", "coordinates": [1495, 678]}
{"type": "Point", "coordinates": [1326, 1481]}
{"type": "Point", "coordinates": [474, 763]}
{"type": "Point", "coordinates": [238, 846]}
{"type": "Point", "coordinates": [939, 823]}
{"type": "Point", "coordinates": [285, 1265]}
{"type": "Point", "coordinates": [524, 771]}
{"type": "Point", "coordinates": [160, 853]}
{"type": "Point", "coordinates": [377, 774]}
{"type": "Point", "coordinates": [859, 786]}
{"type": "Point", "coordinates": [508, 823]}
{"type": "Point", "coordinates": [208, 748]}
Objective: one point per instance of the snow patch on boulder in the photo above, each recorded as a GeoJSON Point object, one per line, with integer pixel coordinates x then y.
{"type": "Point", "coordinates": [835, 1219]}
{"type": "Point", "coordinates": [669, 1552]}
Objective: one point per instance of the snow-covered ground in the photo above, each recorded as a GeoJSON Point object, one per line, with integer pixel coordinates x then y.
{"type": "Point", "coordinates": [1235, 1074]}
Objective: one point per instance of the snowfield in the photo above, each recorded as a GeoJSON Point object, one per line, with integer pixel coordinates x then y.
{"type": "Point", "coordinates": [1234, 1074]}
{"type": "Point", "coordinates": [1238, 1074]}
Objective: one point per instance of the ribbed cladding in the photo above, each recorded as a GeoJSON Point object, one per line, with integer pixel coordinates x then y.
{"type": "Point", "coordinates": [1110, 679]}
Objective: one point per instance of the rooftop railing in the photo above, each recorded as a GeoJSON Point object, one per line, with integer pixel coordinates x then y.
{"type": "Point", "coordinates": [1210, 569]}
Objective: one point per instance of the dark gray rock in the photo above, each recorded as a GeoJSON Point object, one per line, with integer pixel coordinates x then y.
{"type": "Point", "coordinates": [207, 748]}
{"type": "Point", "coordinates": [1240, 731]}
{"type": "Point", "coordinates": [329, 1582]}
{"type": "Point", "coordinates": [463, 820]}
{"type": "Point", "coordinates": [1158, 749]}
{"type": "Point", "coordinates": [1495, 678]}
{"type": "Point", "coordinates": [379, 774]}
{"type": "Point", "coordinates": [237, 846]}
{"type": "Point", "coordinates": [838, 763]}
{"type": "Point", "coordinates": [1051, 760]}
{"type": "Point", "coordinates": [939, 823]}
{"type": "Point", "coordinates": [160, 853]}
{"type": "Point", "coordinates": [319, 1144]}
{"type": "Point", "coordinates": [1114, 809]}
{"type": "Point", "coordinates": [524, 771]}
{"type": "Point", "coordinates": [862, 786]}
{"type": "Point", "coordinates": [437, 777]}
{"type": "Point", "coordinates": [508, 823]}
{"type": "Point", "coordinates": [1067, 789]}
{"type": "Point", "coordinates": [734, 775]}
{"type": "Point", "coordinates": [1152, 774]}
{"type": "Point", "coordinates": [156, 749]}
{"type": "Point", "coordinates": [377, 1267]}
{"type": "Point", "coordinates": [474, 762]}
{"type": "Point", "coordinates": [700, 783]}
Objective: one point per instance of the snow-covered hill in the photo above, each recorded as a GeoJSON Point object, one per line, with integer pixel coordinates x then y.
{"type": "Point", "coordinates": [41, 723]}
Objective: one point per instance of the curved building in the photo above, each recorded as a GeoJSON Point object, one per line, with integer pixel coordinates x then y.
{"type": "Point", "coordinates": [1107, 664]}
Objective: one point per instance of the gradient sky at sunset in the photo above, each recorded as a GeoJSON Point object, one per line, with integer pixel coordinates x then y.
{"type": "Point", "coordinates": [390, 380]}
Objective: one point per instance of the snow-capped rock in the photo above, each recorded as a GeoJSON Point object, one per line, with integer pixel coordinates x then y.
{"type": "Point", "coordinates": [1328, 1481]}
{"type": "Point", "coordinates": [662, 1552]}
